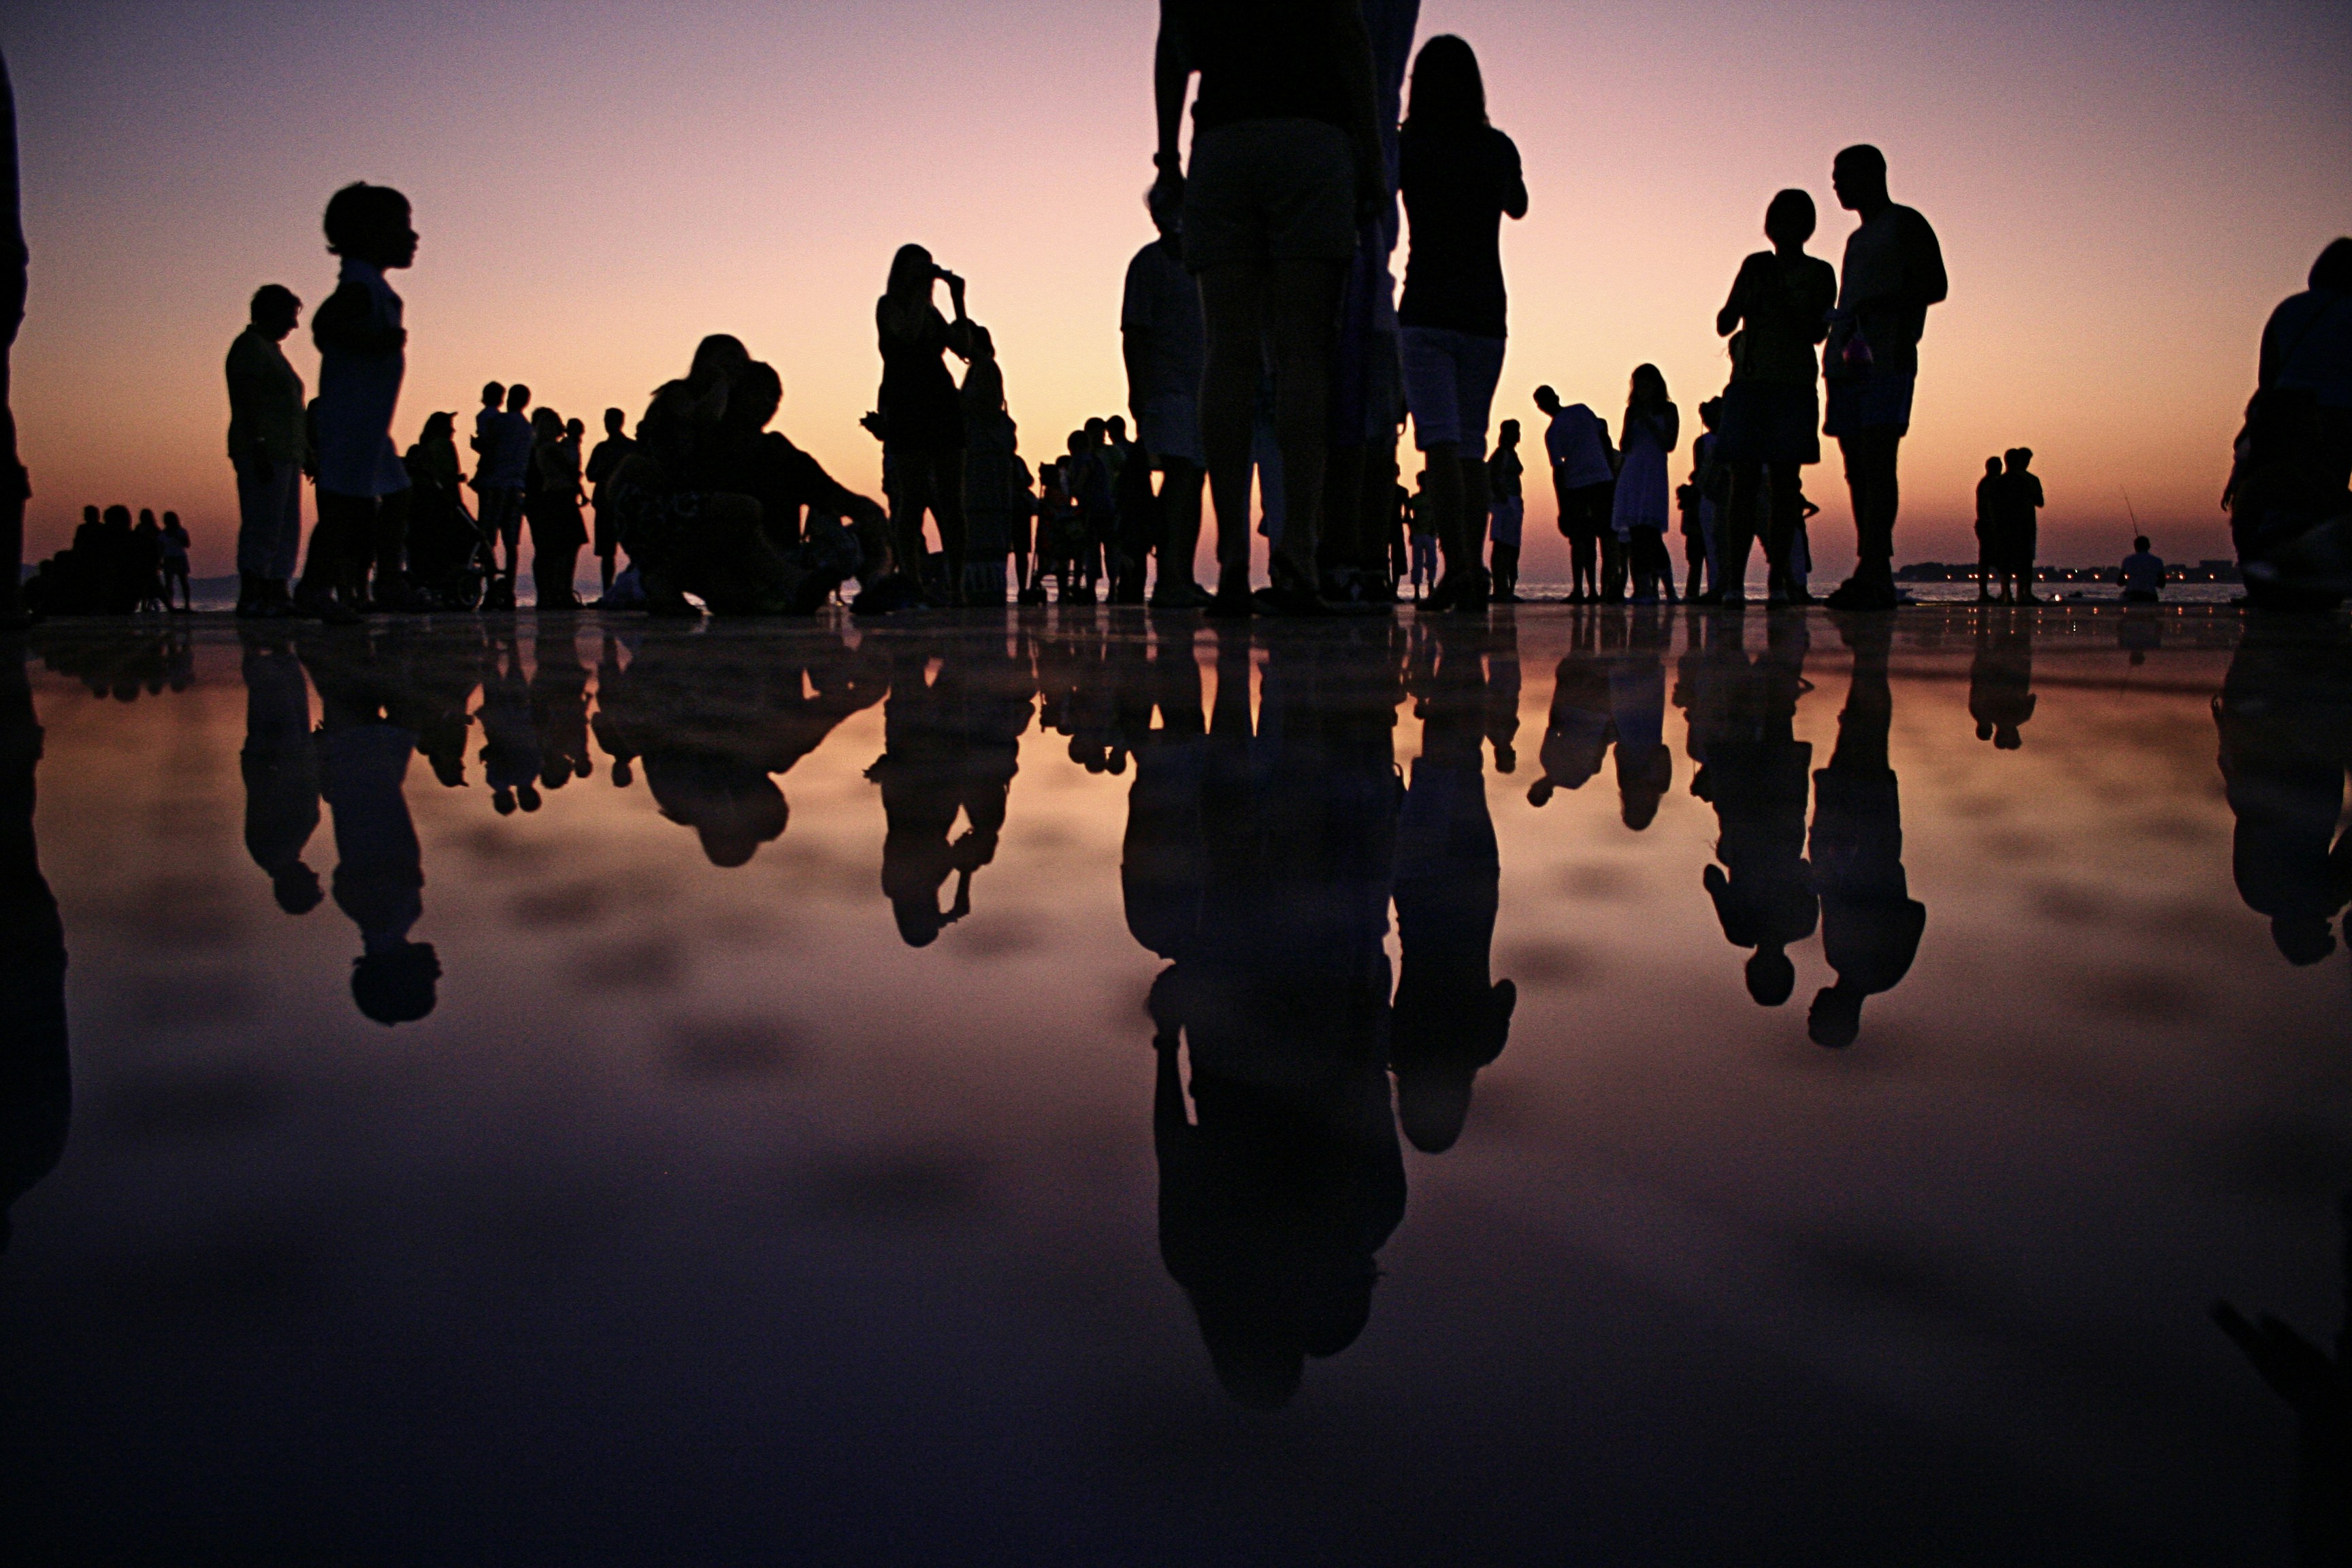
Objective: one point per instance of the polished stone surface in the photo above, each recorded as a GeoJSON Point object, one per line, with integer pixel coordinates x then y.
{"type": "Point", "coordinates": [774, 1162]}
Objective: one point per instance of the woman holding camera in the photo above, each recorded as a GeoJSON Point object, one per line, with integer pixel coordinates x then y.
{"type": "Point", "coordinates": [921, 415]}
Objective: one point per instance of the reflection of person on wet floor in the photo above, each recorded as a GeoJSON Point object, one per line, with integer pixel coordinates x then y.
{"type": "Point", "coordinates": [365, 739]}
{"type": "Point", "coordinates": [2285, 717]}
{"type": "Point", "coordinates": [559, 709]}
{"type": "Point", "coordinates": [281, 771]}
{"type": "Point", "coordinates": [1286, 163]}
{"type": "Point", "coordinates": [1451, 1018]}
{"type": "Point", "coordinates": [1577, 732]}
{"type": "Point", "coordinates": [1870, 923]}
{"type": "Point", "coordinates": [946, 752]}
{"type": "Point", "coordinates": [1893, 272]}
{"type": "Point", "coordinates": [36, 1075]}
{"type": "Point", "coordinates": [510, 758]}
{"type": "Point", "coordinates": [362, 489]}
{"type": "Point", "coordinates": [2001, 679]}
{"type": "Point", "coordinates": [1280, 1187]}
{"type": "Point", "coordinates": [1757, 776]}
{"type": "Point", "coordinates": [1637, 711]}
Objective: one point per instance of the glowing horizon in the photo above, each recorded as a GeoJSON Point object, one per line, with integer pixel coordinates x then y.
{"type": "Point", "coordinates": [597, 188]}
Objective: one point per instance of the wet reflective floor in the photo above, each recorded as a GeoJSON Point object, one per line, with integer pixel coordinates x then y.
{"type": "Point", "coordinates": [1603, 1086]}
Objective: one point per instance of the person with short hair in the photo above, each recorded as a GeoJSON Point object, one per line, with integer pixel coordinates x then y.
{"type": "Point", "coordinates": [2292, 471]}
{"type": "Point", "coordinates": [175, 542]}
{"type": "Point", "coordinates": [1507, 512]}
{"type": "Point", "coordinates": [266, 437]}
{"type": "Point", "coordinates": [1893, 272]}
{"type": "Point", "coordinates": [603, 464]}
{"type": "Point", "coordinates": [2141, 574]}
{"type": "Point", "coordinates": [1164, 341]}
{"type": "Point", "coordinates": [1989, 532]}
{"type": "Point", "coordinates": [362, 357]}
{"type": "Point", "coordinates": [2021, 499]}
{"type": "Point", "coordinates": [1583, 479]}
{"type": "Point", "coordinates": [505, 439]}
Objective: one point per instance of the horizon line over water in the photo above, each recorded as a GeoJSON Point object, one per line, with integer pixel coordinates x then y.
{"type": "Point", "coordinates": [2122, 193]}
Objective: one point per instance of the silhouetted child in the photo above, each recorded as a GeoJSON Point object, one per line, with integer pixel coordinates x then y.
{"type": "Point", "coordinates": [1506, 511]}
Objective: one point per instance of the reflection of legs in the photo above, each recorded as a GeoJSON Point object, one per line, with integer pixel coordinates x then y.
{"type": "Point", "coordinates": [1233, 305]}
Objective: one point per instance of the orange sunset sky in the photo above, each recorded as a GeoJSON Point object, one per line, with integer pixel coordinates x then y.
{"type": "Point", "coordinates": [2122, 190]}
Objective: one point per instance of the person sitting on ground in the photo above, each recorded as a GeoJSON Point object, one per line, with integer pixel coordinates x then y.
{"type": "Point", "coordinates": [2141, 574]}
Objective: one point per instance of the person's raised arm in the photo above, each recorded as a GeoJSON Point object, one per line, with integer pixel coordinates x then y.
{"type": "Point", "coordinates": [1171, 73]}
{"type": "Point", "coordinates": [1727, 320]}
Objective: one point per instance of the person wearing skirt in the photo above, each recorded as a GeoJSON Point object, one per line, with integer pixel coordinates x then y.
{"type": "Point", "coordinates": [1653, 429]}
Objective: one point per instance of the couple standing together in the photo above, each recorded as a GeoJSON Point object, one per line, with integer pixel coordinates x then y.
{"type": "Point", "coordinates": [1291, 173]}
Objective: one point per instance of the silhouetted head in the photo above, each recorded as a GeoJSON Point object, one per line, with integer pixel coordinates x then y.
{"type": "Point", "coordinates": [1647, 390]}
{"type": "Point", "coordinates": [1441, 1038]}
{"type": "Point", "coordinates": [527, 797]}
{"type": "Point", "coordinates": [2140, 543]}
{"type": "Point", "coordinates": [90, 517]}
{"type": "Point", "coordinates": [274, 311]}
{"type": "Point", "coordinates": [1835, 1020]}
{"type": "Point", "coordinates": [1859, 176]}
{"type": "Point", "coordinates": [2302, 938]}
{"type": "Point", "coordinates": [613, 420]}
{"type": "Point", "coordinates": [2333, 270]}
{"type": "Point", "coordinates": [1115, 428]}
{"type": "Point", "coordinates": [296, 888]}
{"type": "Point", "coordinates": [493, 394]}
{"type": "Point", "coordinates": [119, 517]}
{"type": "Point", "coordinates": [919, 917]}
{"type": "Point", "coordinates": [1546, 400]}
{"type": "Point", "coordinates": [721, 356]}
{"type": "Point", "coordinates": [1260, 1367]}
{"type": "Point", "coordinates": [546, 426]}
{"type": "Point", "coordinates": [1771, 976]}
{"type": "Point", "coordinates": [1709, 411]}
{"type": "Point", "coordinates": [760, 393]}
{"type": "Point", "coordinates": [439, 427]}
{"type": "Point", "coordinates": [574, 429]}
{"type": "Point", "coordinates": [517, 398]}
{"type": "Point", "coordinates": [1789, 219]}
{"type": "Point", "coordinates": [396, 987]}
{"type": "Point", "coordinates": [371, 224]}
{"type": "Point", "coordinates": [1993, 465]}
{"type": "Point", "coordinates": [1448, 93]}
{"type": "Point", "coordinates": [1077, 443]}
{"type": "Point", "coordinates": [2019, 459]}
{"type": "Point", "coordinates": [1095, 432]}
{"type": "Point", "coordinates": [983, 388]}
{"type": "Point", "coordinates": [171, 520]}
{"type": "Point", "coordinates": [1508, 435]}
{"type": "Point", "coordinates": [1165, 202]}
{"type": "Point", "coordinates": [912, 272]}
{"type": "Point", "coordinates": [146, 520]}
{"type": "Point", "coordinates": [502, 800]}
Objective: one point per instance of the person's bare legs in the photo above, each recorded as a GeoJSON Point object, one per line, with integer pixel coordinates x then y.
{"type": "Point", "coordinates": [1233, 303]}
{"type": "Point", "coordinates": [1302, 321]}
{"type": "Point", "coordinates": [911, 496]}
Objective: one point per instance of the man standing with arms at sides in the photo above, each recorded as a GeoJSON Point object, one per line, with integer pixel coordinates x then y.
{"type": "Point", "coordinates": [504, 441]}
{"type": "Point", "coordinates": [603, 464]}
{"type": "Point", "coordinates": [1286, 164]}
{"type": "Point", "coordinates": [1165, 343]}
{"type": "Point", "coordinates": [14, 489]}
{"type": "Point", "coordinates": [1893, 271]}
{"type": "Point", "coordinates": [266, 442]}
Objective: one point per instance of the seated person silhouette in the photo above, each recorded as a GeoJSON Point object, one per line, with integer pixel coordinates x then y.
{"type": "Point", "coordinates": [2284, 716]}
{"type": "Point", "coordinates": [2141, 574]}
{"type": "Point", "coordinates": [1870, 923]}
{"type": "Point", "coordinates": [1450, 1018]}
{"type": "Point", "coordinates": [1283, 1181]}
{"type": "Point", "coordinates": [365, 741]}
{"type": "Point", "coordinates": [35, 1073]}
{"type": "Point", "coordinates": [280, 766]}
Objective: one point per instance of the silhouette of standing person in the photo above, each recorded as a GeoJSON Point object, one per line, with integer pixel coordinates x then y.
{"type": "Point", "coordinates": [1989, 561]}
{"type": "Point", "coordinates": [603, 464]}
{"type": "Point", "coordinates": [16, 489]}
{"type": "Point", "coordinates": [2020, 497]}
{"type": "Point", "coordinates": [1508, 511]}
{"type": "Point", "coordinates": [1870, 923]}
{"type": "Point", "coordinates": [1165, 343]}
{"type": "Point", "coordinates": [443, 539]}
{"type": "Point", "coordinates": [1286, 163]}
{"type": "Point", "coordinates": [266, 437]}
{"type": "Point", "coordinates": [362, 356]}
{"type": "Point", "coordinates": [1639, 511]}
{"type": "Point", "coordinates": [175, 545]}
{"type": "Point", "coordinates": [1780, 306]}
{"type": "Point", "coordinates": [280, 768]}
{"type": "Point", "coordinates": [1893, 271]}
{"type": "Point", "coordinates": [1460, 176]}
{"type": "Point", "coordinates": [2293, 458]}
{"type": "Point", "coordinates": [553, 505]}
{"type": "Point", "coordinates": [365, 739]}
{"type": "Point", "coordinates": [502, 478]}
{"type": "Point", "coordinates": [992, 460]}
{"type": "Point", "coordinates": [36, 1070]}
{"type": "Point", "coordinates": [1583, 480]}
{"type": "Point", "coordinates": [922, 416]}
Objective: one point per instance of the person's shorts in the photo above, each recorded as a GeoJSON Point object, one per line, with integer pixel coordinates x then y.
{"type": "Point", "coordinates": [1169, 426]}
{"type": "Point", "coordinates": [1270, 190]}
{"type": "Point", "coordinates": [1507, 516]}
{"type": "Point", "coordinates": [1771, 422]}
{"type": "Point", "coordinates": [1449, 386]}
{"type": "Point", "coordinates": [1873, 402]}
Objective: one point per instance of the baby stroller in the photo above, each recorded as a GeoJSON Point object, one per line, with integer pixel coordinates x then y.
{"type": "Point", "coordinates": [449, 556]}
